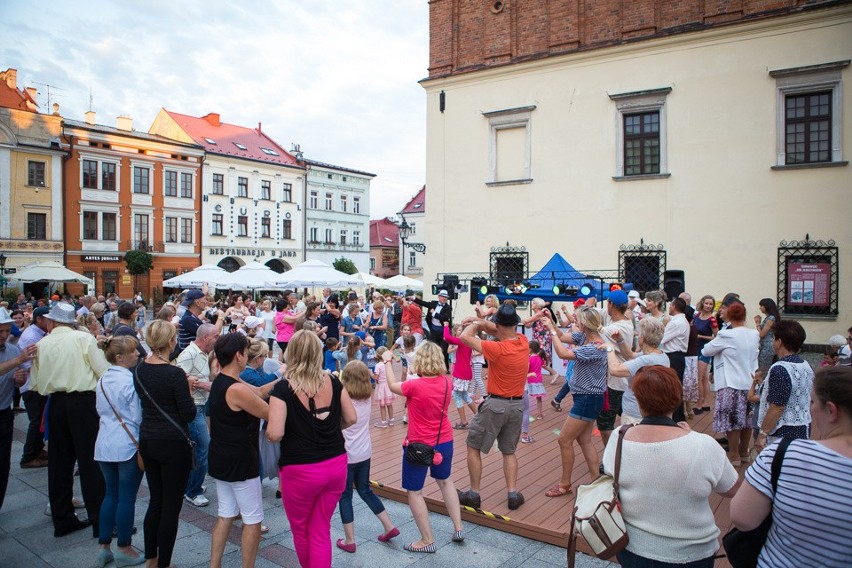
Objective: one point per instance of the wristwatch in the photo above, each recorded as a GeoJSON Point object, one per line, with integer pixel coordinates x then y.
{"type": "Point", "coordinates": [553, 333]}
{"type": "Point", "coordinates": [610, 349]}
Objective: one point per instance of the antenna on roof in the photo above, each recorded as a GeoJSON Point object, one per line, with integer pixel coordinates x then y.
{"type": "Point", "coordinates": [91, 99]}
{"type": "Point", "coordinates": [49, 87]}
{"type": "Point", "coordinates": [296, 150]}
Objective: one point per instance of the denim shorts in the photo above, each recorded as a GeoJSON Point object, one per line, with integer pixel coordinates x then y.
{"type": "Point", "coordinates": [587, 407]}
{"type": "Point", "coordinates": [703, 359]}
{"type": "Point", "coordinates": [414, 476]}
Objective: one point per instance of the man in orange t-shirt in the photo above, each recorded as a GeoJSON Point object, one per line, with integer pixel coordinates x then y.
{"type": "Point", "coordinates": [499, 417]}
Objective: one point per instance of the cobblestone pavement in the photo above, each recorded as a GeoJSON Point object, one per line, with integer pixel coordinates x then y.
{"type": "Point", "coordinates": [27, 541]}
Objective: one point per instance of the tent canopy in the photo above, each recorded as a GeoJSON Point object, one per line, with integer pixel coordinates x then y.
{"type": "Point", "coordinates": [210, 274]}
{"type": "Point", "coordinates": [50, 272]}
{"type": "Point", "coordinates": [370, 279]}
{"type": "Point", "coordinates": [313, 273]}
{"type": "Point", "coordinates": [400, 282]}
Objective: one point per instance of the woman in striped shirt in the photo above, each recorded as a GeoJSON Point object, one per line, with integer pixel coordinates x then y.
{"type": "Point", "coordinates": [588, 385]}
{"type": "Point", "coordinates": [811, 525]}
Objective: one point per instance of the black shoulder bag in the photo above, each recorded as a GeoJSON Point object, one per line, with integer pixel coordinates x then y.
{"type": "Point", "coordinates": [743, 547]}
{"type": "Point", "coordinates": [167, 417]}
{"type": "Point", "coordinates": [417, 453]}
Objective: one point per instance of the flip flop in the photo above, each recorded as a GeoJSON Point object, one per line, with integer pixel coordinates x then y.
{"type": "Point", "coordinates": [558, 491]}
{"type": "Point", "coordinates": [460, 426]}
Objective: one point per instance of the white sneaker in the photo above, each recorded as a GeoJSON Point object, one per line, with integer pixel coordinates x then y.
{"type": "Point", "coordinates": [198, 500]}
{"type": "Point", "coordinates": [405, 418]}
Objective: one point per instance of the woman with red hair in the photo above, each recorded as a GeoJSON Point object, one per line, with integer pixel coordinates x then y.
{"type": "Point", "coordinates": [666, 462]}
{"type": "Point", "coordinates": [734, 351]}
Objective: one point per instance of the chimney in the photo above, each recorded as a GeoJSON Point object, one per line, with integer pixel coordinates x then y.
{"type": "Point", "coordinates": [32, 92]}
{"type": "Point", "coordinates": [212, 118]}
{"type": "Point", "coordinates": [259, 131]}
{"type": "Point", "coordinates": [11, 78]}
{"type": "Point", "coordinates": [56, 109]}
{"type": "Point", "coordinates": [90, 117]}
{"type": "Point", "coordinates": [124, 122]}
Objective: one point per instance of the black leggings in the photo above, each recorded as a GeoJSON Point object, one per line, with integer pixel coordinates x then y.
{"type": "Point", "coordinates": [167, 466]}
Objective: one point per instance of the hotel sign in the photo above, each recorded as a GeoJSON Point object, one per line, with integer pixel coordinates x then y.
{"type": "Point", "coordinates": [254, 253]}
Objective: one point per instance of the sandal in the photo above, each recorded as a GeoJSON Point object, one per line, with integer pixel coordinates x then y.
{"type": "Point", "coordinates": [460, 426]}
{"type": "Point", "coordinates": [556, 405]}
{"type": "Point", "coordinates": [428, 548]}
{"type": "Point", "coordinates": [558, 491]}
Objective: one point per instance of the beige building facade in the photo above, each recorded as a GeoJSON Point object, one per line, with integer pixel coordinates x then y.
{"type": "Point", "coordinates": [686, 141]}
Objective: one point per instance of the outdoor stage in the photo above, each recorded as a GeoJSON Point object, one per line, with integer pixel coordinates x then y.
{"type": "Point", "coordinates": [540, 518]}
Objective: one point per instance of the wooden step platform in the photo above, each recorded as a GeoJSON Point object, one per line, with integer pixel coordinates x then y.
{"type": "Point", "coordinates": [539, 468]}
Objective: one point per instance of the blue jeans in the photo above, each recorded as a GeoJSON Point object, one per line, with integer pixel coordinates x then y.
{"type": "Point", "coordinates": [566, 388]}
{"type": "Point", "coordinates": [358, 476]}
{"type": "Point", "coordinates": [629, 560]}
{"type": "Point", "coordinates": [199, 434]}
{"type": "Point", "coordinates": [119, 505]}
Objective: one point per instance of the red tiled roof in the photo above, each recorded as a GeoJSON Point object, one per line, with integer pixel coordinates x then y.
{"type": "Point", "coordinates": [417, 203]}
{"type": "Point", "coordinates": [384, 233]}
{"type": "Point", "coordinates": [225, 137]}
{"type": "Point", "coordinates": [11, 97]}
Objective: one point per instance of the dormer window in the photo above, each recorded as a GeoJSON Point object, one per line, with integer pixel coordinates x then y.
{"type": "Point", "coordinates": [240, 146]}
{"type": "Point", "coordinates": [210, 141]}
{"type": "Point", "coordinates": [269, 151]}
{"type": "Point", "coordinates": [418, 205]}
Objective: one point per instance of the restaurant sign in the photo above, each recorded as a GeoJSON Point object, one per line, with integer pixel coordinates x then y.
{"type": "Point", "coordinates": [254, 253]}
{"type": "Point", "coordinates": [100, 258]}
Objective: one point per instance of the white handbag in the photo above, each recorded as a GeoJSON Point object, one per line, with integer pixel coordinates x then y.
{"type": "Point", "coordinates": [597, 514]}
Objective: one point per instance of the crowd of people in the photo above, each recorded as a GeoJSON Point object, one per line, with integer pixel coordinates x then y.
{"type": "Point", "coordinates": [194, 391]}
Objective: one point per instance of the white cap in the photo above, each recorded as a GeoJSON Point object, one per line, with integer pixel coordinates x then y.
{"type": "Point", "coordinates": [633, 294]}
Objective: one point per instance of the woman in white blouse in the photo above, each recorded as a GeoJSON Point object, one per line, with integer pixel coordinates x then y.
{"type": "Point", "coordinates": [115, 451]}
{"type": "Point", "coordinates": [665, 462]}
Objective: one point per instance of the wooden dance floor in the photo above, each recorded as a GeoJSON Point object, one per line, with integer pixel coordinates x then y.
{"type": "Point", "coordinates": [539, 467]}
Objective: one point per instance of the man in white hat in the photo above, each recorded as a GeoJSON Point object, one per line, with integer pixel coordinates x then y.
{"type": "Point", "coordinates": [11, 359]}
{"type": "Point", "coordinates": [438, 312]}
{"type": "Point", "coordinates": [67, 368]}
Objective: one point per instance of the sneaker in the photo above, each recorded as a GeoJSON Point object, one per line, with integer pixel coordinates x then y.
{"type": "Point", "coordinates": [391, 422]}
{"type": "Point", "coordinates": [515, 500]}
{"type": "Point", "coordinates": [382, 424]}
{"type": "Point", "coordinates": [470, 499]}
{"type": "Point", "coordinates": [405, 418]}
{"type": "Point", "coordinates": [527, 439]}
{"type": "Point", "coordinates": [204, 489]}
{"type": "Point", "coordinates": [199, 500]}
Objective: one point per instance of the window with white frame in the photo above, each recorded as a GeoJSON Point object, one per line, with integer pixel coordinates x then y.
{"type": "Point", "coordinates": [171, 227]}
{"type": "Point", "coordinates": [287, 229]}
{"type": "Point", "coordinates": [141, 180]}
{"type": "Point", "coordinates": [314, 235]}
{"type": "Point", "coordinates": [186, 185]}
{"type": "Point", "coordinates": [140, 231]}
{"type": "Point", "coordinates": [171, 183]}
{"type": "Point", "coordinates": [186, 230]}
{"type": "Point", "coordinates": [808, 115]}
{"type": "Point", "coordinates": [35, 173]}
{"type": "Point", "coordinates": [218, 184]}
{"type": "Point", "coordinates": [356, 204]}
{"type": "Point", "coordinates": [242, 187]}
{"type": "Point", "coordinates": [218, 224]}
{"type": "Point", "coordinates": [265, 227]}
{"type": "Point", "coordinates": [288, 192]}
{"type": "Point", "coordinates": [640, 136]}
{"type": "Point", "coordinates": [372, 263]}
{"type": "Point", "coordinates": [313, 200]}
{"type": "Point", "coordinates": [329, 238]}
{"type": "Point", "coordinates": [343, 236]}
{"type": "Point", "coordinates": [328, 202]}
{"type": "Point", "coordinates": [356, 238]}
{"type": "Point", "coordinates": [36, 226]}
{"type": "Point", "coordinates": [108, 182]}
{"type": "Point", "coordinates": [509, 146]}
{"type": "Point", "coordinates": [108, 226]}
{"type": "Point", "coordinates": [90, 174]}
{"type": "Point", "coordinates": [265, 189]}
{"type": "Point", "coordinates": [343, 203]}
{"type": "Point", "coordinates": [242, 226]}
{"type": "Point", "coordinates": [412, 259]}
{"type": "Point", "coordinates": [90, 225]}
{"type": "Point", "coordinates": [108, 178]}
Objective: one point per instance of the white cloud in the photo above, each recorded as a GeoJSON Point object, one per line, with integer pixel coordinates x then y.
{"type": "Point", "coordinates": [339, 78]}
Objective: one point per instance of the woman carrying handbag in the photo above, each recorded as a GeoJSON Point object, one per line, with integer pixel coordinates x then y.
{"type": "Point", "coordinates": [117, 451]}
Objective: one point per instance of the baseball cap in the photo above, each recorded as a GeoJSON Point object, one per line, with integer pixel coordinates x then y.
{"type": "Point", "coordinates": [444, 293]}
{"type": "Point", "coordinates": [579, 303]}
{"type": "Point", "coordinates": [44, 310]}
{"type": "Point", "coordinates": [252, 322]}
{"type": "Point", "coordinates": [617, 298]}
{"type": "Point", "coordinates": [633, 294]}
{"type": "Point", "coordinates": [191, 296]}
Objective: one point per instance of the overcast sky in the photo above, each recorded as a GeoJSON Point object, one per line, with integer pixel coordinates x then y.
{"type": "Point", "coordinates": [338, 77]}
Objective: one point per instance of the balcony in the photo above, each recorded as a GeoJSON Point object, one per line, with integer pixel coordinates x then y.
{"type": "Point", "coordinates": [147, 246]}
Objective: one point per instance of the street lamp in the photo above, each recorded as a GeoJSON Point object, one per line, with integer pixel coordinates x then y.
{"type": "Point", "coordinates": [404, 233]}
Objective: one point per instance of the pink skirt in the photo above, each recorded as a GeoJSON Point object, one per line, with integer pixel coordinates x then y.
{"type": "Point", "coordinates": [383, 395]}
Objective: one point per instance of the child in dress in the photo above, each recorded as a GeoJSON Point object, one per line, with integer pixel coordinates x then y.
{"type": "Point", "coordinates": [356, 381]}
{"type": "Point", "coordinates": [409, 344]}
{"type": "Point", "coordinates": [462, 375]}
{"type": "Point", "coordinates": [383, 394]}
{"type": "Point", "coordinates": [329, 362]}
{"type": "Point", "coordinates": [535, 388]}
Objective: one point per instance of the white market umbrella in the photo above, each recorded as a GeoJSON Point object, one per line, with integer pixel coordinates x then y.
{"type": "Point", "coordinates": [400, 282]}
{"type": "Point", "coordinates": [313, 273]}
{"type": "Point", "coordinates": [209, 274]}
{"type": "Point", "coordinates": [370, 279]}
{"type": "Point", "coordinates": [252, 276]}
{"type": "Point", "coordinates": [51, 272]}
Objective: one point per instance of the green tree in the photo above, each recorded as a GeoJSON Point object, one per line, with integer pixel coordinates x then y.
{"type": "Point", "coordinates": [343, 264]}
{"type": "Point", "coordinates": [138, 262]}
